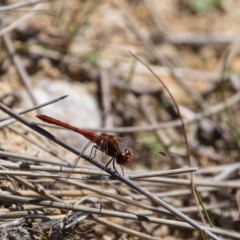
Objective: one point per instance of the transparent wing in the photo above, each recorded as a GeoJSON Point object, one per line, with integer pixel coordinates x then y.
{"type": "Point", "coordinates": [142, 152]}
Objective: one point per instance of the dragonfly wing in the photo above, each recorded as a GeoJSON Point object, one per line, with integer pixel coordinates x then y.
{"type": "Point", "coordinates": [144, 153]}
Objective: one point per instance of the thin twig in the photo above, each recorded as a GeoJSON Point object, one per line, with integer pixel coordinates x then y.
{"type": "Point", "coordinates": [48, 150]}
{"type": "Point", "coordinates": [106, 101]}
{"type": "Point", "coordinates": [36, 107]}
{"type": "Point", "coordinates": [162, 173]}
{"type": "Point", "coordinates": [97, 172]}
{"type": "Point", "coordinates": [19, 5]}
{"type": "Point", "coordinates": [19, 21]}
{"type": "Point", "coordinates": [29, 174]}
{"type": "Point", "coordinates": [50, 169]}
{"type": "Point", "coordinates": [19, 66]}
{"type": "Point", "coordinates": [32, 159]}
{"type": "Point", "coordinates": [176, 123]}
{"type": "Point", "coordinates": [198, 182]}
{"type": "Point", "coordinates": [127, 230]}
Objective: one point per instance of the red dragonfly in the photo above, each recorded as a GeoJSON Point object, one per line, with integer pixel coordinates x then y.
{"type": "Point", "coordinates": [115, 147]}
{"type": "Point", "coordinates": [104, 142]}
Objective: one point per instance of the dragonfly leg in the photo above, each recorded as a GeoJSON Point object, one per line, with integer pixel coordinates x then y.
{"type": "Point", "coordinates": [114, 166]}
{"type": "Point", "coordinates": [109, 163]}
{"type": "Point", "coordinates": [122, 170]}
{"type": "Point", "coordinates": [93, 151]}
{"type": "Point", "coordinates": [113, 160]}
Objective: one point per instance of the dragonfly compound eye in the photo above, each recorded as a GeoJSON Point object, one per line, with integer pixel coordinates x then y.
{"type": "Point", "coordinates": [124, 157]}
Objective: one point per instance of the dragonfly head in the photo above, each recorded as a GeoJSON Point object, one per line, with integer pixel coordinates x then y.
{"type": "Point", "coordinates": [124, 157]}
